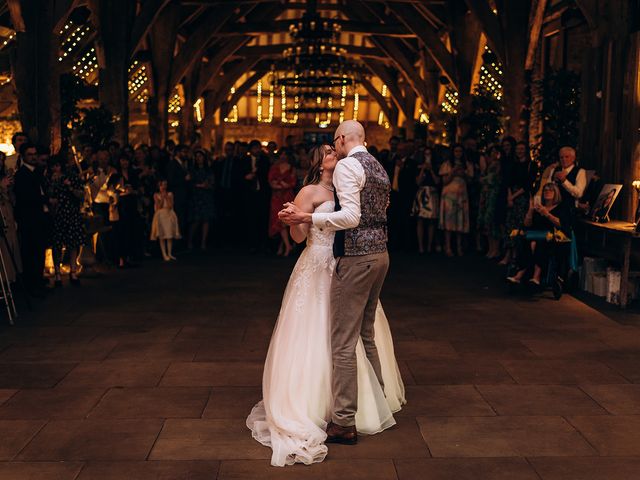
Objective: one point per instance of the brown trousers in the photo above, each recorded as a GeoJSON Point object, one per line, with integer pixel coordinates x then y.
{"type": "Point", "coordinates": [355, 288]}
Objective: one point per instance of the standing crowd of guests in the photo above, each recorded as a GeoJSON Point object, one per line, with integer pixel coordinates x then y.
{"type": "Point", "coordinates": [448, 199]}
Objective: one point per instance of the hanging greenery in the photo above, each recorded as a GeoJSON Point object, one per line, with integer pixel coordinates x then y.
{"type": "Point", "coordinates": [72, 90]}
{"type": "Point", "coordinates": [486, 117]}
{"type": "Point", "coordinates": [560, 114]}
{"type": "Point", "coordinates": [95, 127]}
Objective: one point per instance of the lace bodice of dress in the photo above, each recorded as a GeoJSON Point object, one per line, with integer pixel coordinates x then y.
{"type": "Point", "coordinates": [317, 237]}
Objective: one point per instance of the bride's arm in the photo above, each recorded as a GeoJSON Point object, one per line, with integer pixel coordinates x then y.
{"type": "Point", "coordinates": [304, 201]}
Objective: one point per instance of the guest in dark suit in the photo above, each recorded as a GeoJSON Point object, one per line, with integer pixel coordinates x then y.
{"type": "Point", "coordinates": [402, 174]}
{"type": "Point", "coordinates": [255, 166]}
{"type": "Point", "coordinates": [32, 217]}
{"type": "Point", "coordinates": [229, 177]}
{"type": "Point", "coordinates": [179, 180]}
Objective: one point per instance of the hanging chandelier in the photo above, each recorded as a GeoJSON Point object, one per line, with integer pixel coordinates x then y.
{"type": "Point", "coordinates": [317, 71]}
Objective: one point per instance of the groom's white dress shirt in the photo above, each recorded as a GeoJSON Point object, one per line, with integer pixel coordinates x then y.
{"type": "Point", "coordinates": [348, 179]}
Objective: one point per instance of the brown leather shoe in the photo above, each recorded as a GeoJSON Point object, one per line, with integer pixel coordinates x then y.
{"type": "Point", "coordinates": [342, 435]}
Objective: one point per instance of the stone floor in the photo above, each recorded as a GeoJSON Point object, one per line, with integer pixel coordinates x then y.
{"type": "Point", "coordinates": [149, 374]}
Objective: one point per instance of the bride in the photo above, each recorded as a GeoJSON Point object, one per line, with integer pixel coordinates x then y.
{"type": "Point", "coordinates": [296, 384]}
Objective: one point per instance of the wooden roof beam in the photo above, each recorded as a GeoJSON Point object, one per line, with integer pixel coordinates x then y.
{"type": "Point", "coordinates": [490, 26]}
{"type": "Point", "coordinates": [277, 49]}
{"type": "Point", "coordinates": [198, 41]}
{"type": "Point", "coordinates": [145, 19]}
{"type": "Point", "coordinates": [413, 19]}
{"type": "Point", "coordinates": [390, 112]}
{"type": "Point", "coordinates": [15, 11]}
{"type": "Point", "coordinates": [348, 26]}
{"type": "Point", "coordinates": [241, 90]}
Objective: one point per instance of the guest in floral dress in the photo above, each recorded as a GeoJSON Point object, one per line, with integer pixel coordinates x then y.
{"type": "Point", "coordinates": [454, 201]}
{"type": "Point", "coordinates": [490, 184]}
{"type": "Point", "coordinates": [66, 193]}
{"type": "Point", "coordinates": [282, 179]}
{"type": "Point", "coordinates": [426, 206]}
{"type": "Point", "coordinates": [201, 204]}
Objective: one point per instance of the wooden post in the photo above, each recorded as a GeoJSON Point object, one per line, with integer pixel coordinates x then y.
{"type": "Point", "coordinates": [208, 120]}
{"type": "Point", "coordinates": [162, 43]}
{"type": "Point", "coordinates": [33, 68]}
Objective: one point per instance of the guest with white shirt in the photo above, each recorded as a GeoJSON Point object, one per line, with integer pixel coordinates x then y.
{"type": "Point", "coordinates": [571, 179]}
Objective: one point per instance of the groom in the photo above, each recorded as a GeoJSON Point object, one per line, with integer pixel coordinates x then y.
{"type": "Point", "coordinates": [360, 247]}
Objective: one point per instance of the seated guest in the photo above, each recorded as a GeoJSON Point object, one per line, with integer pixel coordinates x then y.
{"type": "Point", "coordinates": [571, 179]}
{"type": "Point", "coordinates": [32, 217]}
{"type": "Point", "coordinates": [549, 216]}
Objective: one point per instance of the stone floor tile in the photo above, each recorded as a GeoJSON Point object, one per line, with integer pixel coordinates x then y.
{"type": "Point", "coordinates": [616, 399]}
{"type": "Point", "coordinates": [566, 347]}
{"type": "Point", "coordinates": [586, 468]}
{"type": "Point", "coordinates": [6, 394]}
{"type": "Point", "coordinates": [444, 401]}
{"type": "Point", "coordinates": [611, 435]}
{"type": "Point", "coordinates": [51, 403]}
{"type": "Point", "coordinates": [212, 374]}
{"type": "Point", "coordinates": [39, 470]}
{"type": "Point", "coordinates": [626, 365]}
{"type": "Point", "coordinates": [457, 372]}
{"type": "Point", "coordinates": [15, 434]}
{"type": "Point", "coordinates": [400, 441]}
{"type": "Point", "coordinates": [112, 440]}
{"type": "Point", "coordinates": [213, 334]}
{"type": "Point", "coordinates": [465, 469]}
{"type": "Point", "coordinates": [115, 374]}
{"type": "Point", "coordinates": [221, 350]}
{"type": "Point", "coordinates": [556, 372]}
{"type": "Point", "coordinates": [491, 350]}
{"type": "Point", "coordinates": [58, 352]}
{"type": "Point", "coordinates": [178, 351]}
{"type": "Point", "coordinates": [232, 402]}
{"type": "Point", "coordinates": [149, 471]}
{"type": "Point", "coordinates": [502, 437]}
{"type": "Point", "coordinates": [140, 334]}
{"type": "Point", "coordinates": [207, 440]}
{"type": "Point", "coordinates": [329, 469]}
{"type": "Point", "coordinates": [152, 402]}
{"type": "Point", "coordinates": [423, 349]}
{"type": "Point", "coordinates": [33, 375]}
{"type": "Point", "coordinates": [539, 400]}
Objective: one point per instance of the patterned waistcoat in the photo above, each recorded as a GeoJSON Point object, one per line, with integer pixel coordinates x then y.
{"type": "Point", "coordinates": [370, 236]}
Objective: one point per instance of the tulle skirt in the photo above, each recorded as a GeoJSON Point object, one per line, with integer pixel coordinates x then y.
{"type": "Point", "coordinates": [297, 400]}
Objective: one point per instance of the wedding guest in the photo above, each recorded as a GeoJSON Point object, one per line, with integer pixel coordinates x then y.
{"type": "Point", "coordinates": [519, 185]}
{"type": "Point", "coordinates": [164, 227]}
{"type": "Point", "coordinates": [66, 193]}
{"type": "Point", "coordinates": [201, 206]}
{"type": "Point", "coordinates": [454, 201]}
{"type": "Point", "coordinates": [426, 207]}
{"type": "Point", "coordinates": [489, 192]}
{"type": "Point", "coordinates": [282, 179]}
{"type": "Point", "coordinates": [11, 248]}
{"type": "Point", "coordinates": [402, 175]}
{"type": "Point", "coordinates": [126, 185]}
{"type": "Point", "coordinates": [99, 186]}
{"type": "Point", "coordinates": [571, 179]}
{"type": "Point", "coordinates": [551, 214]}
{"type": "Point", "coordinates": [14, 161]}
{"type": "Point", "coordinates": [257, 191]}
{"type": "Point", "coordinates": [179, 181]}
{"type": "Point", "coordinates": [32, 215]}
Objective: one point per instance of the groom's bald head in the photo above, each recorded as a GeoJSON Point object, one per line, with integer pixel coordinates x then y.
{"type": "Point", "coordinates": [349, 134]}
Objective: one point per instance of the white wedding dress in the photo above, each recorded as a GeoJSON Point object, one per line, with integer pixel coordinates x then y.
{"type": "Point", "coordinates": [296, 384]}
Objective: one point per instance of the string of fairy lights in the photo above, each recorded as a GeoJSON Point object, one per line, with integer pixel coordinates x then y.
{"type": "Point", "coordinates": [175, 103]}
{"type": "Point", "coordinates": [72, 36]}
{"type": "Point", "coordinates": [450, 102]}
{"type": "Point", "coordinates": [138, 82]}
{"type": "Point", "coordinates": [86, 65]}
{"type": "Point", "coordinates": [491, 74]}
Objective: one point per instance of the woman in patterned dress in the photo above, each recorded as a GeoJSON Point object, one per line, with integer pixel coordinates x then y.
{"type": "Point", "coordinates": [426, 206]}
{"type": "Point", "coordinates": [454, 201]}
{"type": "Point", "coordinates": [490, 184]}
{"type": "Point", "coordinates": [201, 206]}
{"type": "Point", "coordinates": [282, 178]}
{"type": "Point", "coordinates": [66, 193]}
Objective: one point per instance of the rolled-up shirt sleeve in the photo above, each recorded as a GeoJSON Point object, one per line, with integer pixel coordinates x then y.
{"type": "Point", "coordinates": [348, 179]}
{"type": "Point", "coordinates": [576, 190]}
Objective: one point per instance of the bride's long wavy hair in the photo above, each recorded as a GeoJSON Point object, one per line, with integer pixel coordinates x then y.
{"type": "Point", "coordinates": [315, 169]}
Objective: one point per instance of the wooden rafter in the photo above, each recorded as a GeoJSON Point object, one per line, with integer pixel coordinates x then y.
{"type": "Point", "coordinates": [223, 84]}
{"type": "Point", "coordinates": [413, 19]}
{"type": "Point", "coordinates": [61, 13]}
{"type": "Point", "coordinates": [277, 49]}
{"type": "Point", "coordinates": [390, 112]}
{"type": "Point", "coordinates": [534, 34]}
{"type": "Point", "coordinates": [490, 26]}
{"type": "Point", "coordinates": [15, 11]}
{"type": "Point", "coordinates": [390, 80]}
{"type": "Point", "coordinates": [241, 90]}
{"type": "Point", "coordinates": [147, 16]}
{"type": "Point", "coordinates": [198, 41]}
{"type": "Point", "coordinates": [348, 26]}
